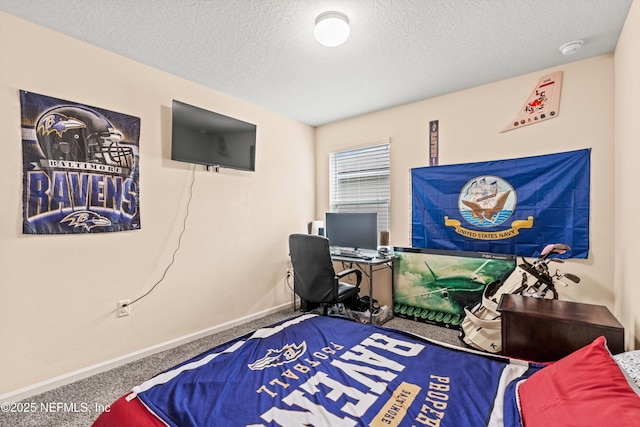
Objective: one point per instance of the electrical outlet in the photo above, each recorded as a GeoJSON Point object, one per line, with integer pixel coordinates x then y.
{"type": "Point", "coordinates": [124, 309]}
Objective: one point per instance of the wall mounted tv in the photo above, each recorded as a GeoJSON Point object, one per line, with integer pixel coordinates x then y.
{"type": "Point", "coordinates": [204, 137]}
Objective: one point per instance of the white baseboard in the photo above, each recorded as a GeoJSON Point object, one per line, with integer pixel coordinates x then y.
{"type": "Point", "coordinates": [59, 381]}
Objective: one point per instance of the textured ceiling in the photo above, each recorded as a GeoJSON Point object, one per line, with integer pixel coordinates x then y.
{"type": "Point", "coordinates": [400, 51]}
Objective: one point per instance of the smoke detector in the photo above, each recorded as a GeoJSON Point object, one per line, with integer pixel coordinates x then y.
{"type": "Point", "coordinates": [571, 47]}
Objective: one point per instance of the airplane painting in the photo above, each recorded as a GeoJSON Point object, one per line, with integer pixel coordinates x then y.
{"type": "Point", "coordinates": [434, 286]}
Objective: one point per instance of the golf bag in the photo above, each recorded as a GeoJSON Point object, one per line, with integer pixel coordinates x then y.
{"type": "Point", "coordinates": [482, 325]}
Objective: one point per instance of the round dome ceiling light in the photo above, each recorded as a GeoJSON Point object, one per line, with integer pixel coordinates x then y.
{"type": "Point", "coordinates": [571, 47]}
{"type": "Point", "coordinates": [332, 28]}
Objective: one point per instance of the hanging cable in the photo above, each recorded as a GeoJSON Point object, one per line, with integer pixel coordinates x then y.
{"type": "Point", "coordinates": [184, 227]}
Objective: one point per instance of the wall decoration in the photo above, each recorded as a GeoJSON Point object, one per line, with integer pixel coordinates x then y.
{"type": "Point", "coordinates": [514, 206]}
{"type": "Point", "coordinates": [81, 167]}
{"type": "Point", "coordinates": [434, 140]}
{"type": "Point", "coordinates": [543, 103]}
{"type": "Point", "coordinates": [434, 286]}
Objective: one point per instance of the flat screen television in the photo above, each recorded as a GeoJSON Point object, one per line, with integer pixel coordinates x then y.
{"type": "Point", "coordinates": [204, 137]}
{"type": "Point", "coordinates": [352, 230]}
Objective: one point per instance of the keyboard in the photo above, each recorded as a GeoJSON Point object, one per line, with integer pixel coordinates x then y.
{"type": "Point", "coordinates": [353, 255]}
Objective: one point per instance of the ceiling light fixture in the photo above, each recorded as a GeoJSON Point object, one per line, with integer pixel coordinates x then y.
{"type": "Point", "coordinates": [332, 28]}
{"type": "Point", "coordinates": [571, 47]}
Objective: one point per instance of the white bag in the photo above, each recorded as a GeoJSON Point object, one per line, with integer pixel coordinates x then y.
{"type": "Point", "coordinates": [482, 330]}
{"type": "Point", "coordinates": [482, 325]}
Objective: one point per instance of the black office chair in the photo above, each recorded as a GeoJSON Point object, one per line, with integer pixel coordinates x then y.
{"type": "Point", "coordinates": [314, 278]}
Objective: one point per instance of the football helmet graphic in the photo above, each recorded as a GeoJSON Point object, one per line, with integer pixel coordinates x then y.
{"type": "Point", "coordinates": [77, 133]}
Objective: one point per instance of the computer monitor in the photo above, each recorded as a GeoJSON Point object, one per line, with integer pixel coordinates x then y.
{"type": "Point", "coordinates": [352, 230]}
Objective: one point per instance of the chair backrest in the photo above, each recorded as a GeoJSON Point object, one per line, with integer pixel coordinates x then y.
{"type": "Point", "coordinates": [314, 278]}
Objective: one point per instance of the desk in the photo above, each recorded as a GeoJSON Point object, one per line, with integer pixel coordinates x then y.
{"type": "Point", "coordinates": [368, 267]}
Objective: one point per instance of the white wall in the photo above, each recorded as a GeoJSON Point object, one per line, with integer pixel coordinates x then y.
{"type": "Point", "coordinates": [58, 294]}
{"type": "Point", "coordinates": [470, 124]}
{"type": "Point", "coordinates": [627, 175]}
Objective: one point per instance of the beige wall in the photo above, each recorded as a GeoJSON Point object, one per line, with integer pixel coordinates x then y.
{"type": "Point", "coordinates": [470, 123]}
{"type": "Point", "coordinates": [627, 175]}
{"type": "Point", "coordinates": [58, 294]}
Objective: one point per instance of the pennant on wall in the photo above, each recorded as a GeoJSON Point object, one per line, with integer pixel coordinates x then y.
{"type": "Point", "coordinates": [434, 139]}
{"type": "Point", "coordinates": [542, 104]}
{"type": "Point", "coordinates": [512, 206]}
{"type": "Point", "coordinates": [80, 167]}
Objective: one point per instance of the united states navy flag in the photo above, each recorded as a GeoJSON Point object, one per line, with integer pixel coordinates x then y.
{"type": "Point", "coordinates": [514, 206]}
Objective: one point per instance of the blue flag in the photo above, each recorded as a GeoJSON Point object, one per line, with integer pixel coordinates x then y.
{"type": "Point", "coordinates": [514, 206]}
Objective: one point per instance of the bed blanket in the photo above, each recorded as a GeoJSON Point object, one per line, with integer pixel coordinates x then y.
{"type": "Point", "coordinates": [322, 371]}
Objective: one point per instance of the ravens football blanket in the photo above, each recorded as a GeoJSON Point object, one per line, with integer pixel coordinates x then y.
{"type": "Point", "coordinates": [320, 371]}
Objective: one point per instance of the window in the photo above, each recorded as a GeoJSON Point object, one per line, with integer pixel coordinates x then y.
{"type": "Point", "coordinates": [359, 182]}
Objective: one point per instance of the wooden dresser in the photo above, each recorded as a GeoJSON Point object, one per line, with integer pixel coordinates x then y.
{"type": "Point", "coordinates": [545, 330]}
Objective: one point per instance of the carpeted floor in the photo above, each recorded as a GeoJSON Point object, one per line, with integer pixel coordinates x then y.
{"type": "Point", "coordinates": [80, 403]}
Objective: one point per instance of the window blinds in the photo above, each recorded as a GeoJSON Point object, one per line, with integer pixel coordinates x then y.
{"type": "Point", "coordinates": [359, 182]}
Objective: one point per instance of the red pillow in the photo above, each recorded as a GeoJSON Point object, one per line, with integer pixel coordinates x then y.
{"type": "Point", "coordinates": [585, 388]}
{"type": "Point", "coordinates": [123, 413]}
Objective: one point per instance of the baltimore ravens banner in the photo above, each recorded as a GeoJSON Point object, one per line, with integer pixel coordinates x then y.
{"type": "Point", "coordinates": [80, 167]}
{"type": "Point", "coordinates": [434, 138]}
{"type": "Point", "coordinates": [514, 206]}
{"type": "Point", "coordinates": [322, 371]}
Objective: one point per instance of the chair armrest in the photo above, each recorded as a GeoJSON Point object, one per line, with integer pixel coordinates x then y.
{"type": "Point", "coordinates": [357, 272]}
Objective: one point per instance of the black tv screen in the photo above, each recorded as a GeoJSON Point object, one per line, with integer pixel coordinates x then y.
{"type": "Point", "coordinates": [204, 137]}
{"type": "Point", "coordinates": [352, 230]}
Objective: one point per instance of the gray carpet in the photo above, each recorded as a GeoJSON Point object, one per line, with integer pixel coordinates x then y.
{"type": "Point", "coordinates": [80, 403]}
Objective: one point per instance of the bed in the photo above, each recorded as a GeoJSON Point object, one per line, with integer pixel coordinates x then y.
{"type": "Point", "coordinates": [315, 370]}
